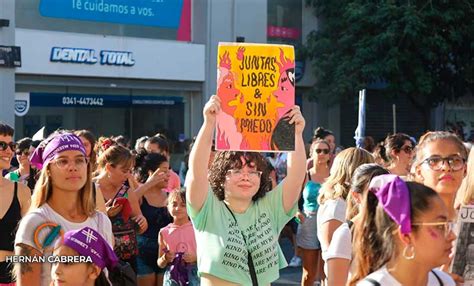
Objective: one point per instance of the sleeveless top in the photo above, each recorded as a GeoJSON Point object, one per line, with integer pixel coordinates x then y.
{"type": "Point", "coordinates": [310, 195]}
{"type": "Point", "coordinates": [157, 218]}
{"type": "Point", "coordinates": [9, 222]}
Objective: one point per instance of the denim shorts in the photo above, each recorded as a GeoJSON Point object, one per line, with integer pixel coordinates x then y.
{"type": "Point", "coordinates": [147, 256]}
{"type": "Point", "coordinates": [306, 236]}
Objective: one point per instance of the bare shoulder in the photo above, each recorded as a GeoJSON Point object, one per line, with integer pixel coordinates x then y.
{"type": "Point", "coordinates": [24, 192]}
{"type": "Point", "coordinates": [24, 196]}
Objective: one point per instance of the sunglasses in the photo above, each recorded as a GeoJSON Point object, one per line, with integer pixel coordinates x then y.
{"type": "Point", "coordinates": [319, 151]}
{"type": "Point", "coordinates": [407, 149]}
{"type": "Point", "coordinates": [4, 146]}
{"type": "Point", "coordinates": [24, 152]}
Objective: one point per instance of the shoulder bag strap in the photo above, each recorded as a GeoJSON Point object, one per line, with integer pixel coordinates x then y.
{"type": "Point", "coordinates": [437, 278]}
{"type": "Point", "coordinates": [350, 224]}
{"type": "Point", "coordinates": [253, 274]}
{"type": "Point", "coordinates": [372, 281]}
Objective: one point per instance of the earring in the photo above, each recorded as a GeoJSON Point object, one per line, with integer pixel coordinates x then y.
{"type": "Point", "coordinates": [409, 248]}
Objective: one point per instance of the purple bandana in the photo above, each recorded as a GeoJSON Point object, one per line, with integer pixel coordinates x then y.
{"type": "Point", "coordinates": [392, 193]}
{"type": "Point", "coordinates": [50, 147]}
{"type": "Point", "coordinates": [88, 242]}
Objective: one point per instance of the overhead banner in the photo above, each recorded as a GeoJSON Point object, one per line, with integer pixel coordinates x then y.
{"type": "Point", "coordinates": [158, 13]}
{"type": "Point", "coordinates": [256, 85]}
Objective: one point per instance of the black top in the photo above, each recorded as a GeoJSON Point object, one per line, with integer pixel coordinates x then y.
{"type": "Point", "coordinates": [157, 218]}
{"type": "Point", "coordinates": [9, 223]}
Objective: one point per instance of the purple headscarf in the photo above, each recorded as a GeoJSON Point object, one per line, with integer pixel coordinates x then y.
{"type": "Point", "coordinates": [57, 143]}
{"type": "Point", "coordinates": [88, 242]}
{"type": "Point", "coordinates": [393, 194]}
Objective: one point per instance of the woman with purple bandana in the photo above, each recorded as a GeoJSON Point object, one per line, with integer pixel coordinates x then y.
{"type": "Point", "coordinates": [89, 244]}
{"type": "Point", "coordinates": [62, 201]}
{"type": "Point", "coordinates": [405, 236]}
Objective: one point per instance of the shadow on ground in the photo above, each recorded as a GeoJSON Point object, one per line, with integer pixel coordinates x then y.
{"type": "Point", "coordinates": [288, 275]}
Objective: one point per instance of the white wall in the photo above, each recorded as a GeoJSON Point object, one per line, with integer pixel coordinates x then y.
{"type": "Point", "coordinates": [154, 59]}
{"type": "Point", "coordinates": [7, 75]}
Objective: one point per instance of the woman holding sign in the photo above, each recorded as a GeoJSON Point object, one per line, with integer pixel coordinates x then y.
{"type": "Point", "coordinates": [236, 221]}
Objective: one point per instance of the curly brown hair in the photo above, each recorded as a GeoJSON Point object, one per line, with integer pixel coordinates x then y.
{"type": "Point", "coordinates": [226, 160]}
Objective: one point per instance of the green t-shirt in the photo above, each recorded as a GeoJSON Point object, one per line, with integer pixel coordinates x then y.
{"type": "Point", "coordinates": [221, 250]}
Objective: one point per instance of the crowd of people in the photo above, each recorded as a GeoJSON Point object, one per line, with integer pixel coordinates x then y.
{"type": "Point", "coordinates": [377, 215]}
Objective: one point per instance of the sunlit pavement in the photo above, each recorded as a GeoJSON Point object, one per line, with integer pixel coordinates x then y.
{"type": "Point", "coordinates": [288, 275]}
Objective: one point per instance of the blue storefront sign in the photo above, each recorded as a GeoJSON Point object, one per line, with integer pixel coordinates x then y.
{"type": "Point", "coordinates": [92, 100]}
{"type": "Point", "coordinates": [157, 13]}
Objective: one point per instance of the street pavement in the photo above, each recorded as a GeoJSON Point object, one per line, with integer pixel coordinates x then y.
{"type": "Point", "coordinates": [288, 275]}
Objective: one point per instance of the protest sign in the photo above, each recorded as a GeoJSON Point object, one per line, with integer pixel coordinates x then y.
{"type": "Point", "coordinates": [463, 261]}
{"type": "Point", "coordinates": [256, 85]}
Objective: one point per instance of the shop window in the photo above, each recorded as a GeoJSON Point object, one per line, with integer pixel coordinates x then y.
{"type": "Point", "coordinates": [31, 124]}
{"type": "Point", "coordinates": [53, 123]}
{"type": "Point", "coordinates": [284, 21]}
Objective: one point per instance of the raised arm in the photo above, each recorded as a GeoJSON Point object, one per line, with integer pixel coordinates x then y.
{"type": "Point", "coordinates": [296, 162]}
{"type": "Point", "coordinates": [156, 178]}
{"type": "Point", "coordinates": [198, 184]}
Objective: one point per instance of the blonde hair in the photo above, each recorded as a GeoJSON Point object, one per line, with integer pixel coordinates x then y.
{"type": "Point", "coordinates": [44, 190]}
{"type": "Point", "coordinates": [432, 136]}
{"type": "Point", "coordinates": [465, 195]}
{"type": "Point", "coordinates": [337, 185]}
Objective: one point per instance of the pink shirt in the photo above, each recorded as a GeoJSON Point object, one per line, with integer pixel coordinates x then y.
{"type": "Point", "coordinates": [173, 182]}
{"type": "Point", "coordinates": [179, 238]}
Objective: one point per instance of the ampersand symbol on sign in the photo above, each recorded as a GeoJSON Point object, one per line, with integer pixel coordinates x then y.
{"type": "Point", "coordinates": [258, 94]}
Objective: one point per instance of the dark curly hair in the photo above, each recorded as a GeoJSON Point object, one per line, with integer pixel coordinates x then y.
{"type": "Point", "coordinates": [224, 161]}
{"type": "Point", "coordinates": [321, 133]}
{"type": "Point", "coordinates": [146, 162]}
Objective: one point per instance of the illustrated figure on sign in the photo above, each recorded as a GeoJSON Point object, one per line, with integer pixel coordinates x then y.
{"type": "Point", "coordinates": [284, 95]}
{"type": "Point", "coordinates": [286, 84]}
{"type": "Point", "coordinates": [227, 133]}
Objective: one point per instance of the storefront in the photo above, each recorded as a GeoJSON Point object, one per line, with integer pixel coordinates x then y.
{"type": "Point", "coordinates": [107, 84]}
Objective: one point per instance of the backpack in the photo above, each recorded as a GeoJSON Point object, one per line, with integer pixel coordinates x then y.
{"type": "Point", "coordinates": [123, 275]}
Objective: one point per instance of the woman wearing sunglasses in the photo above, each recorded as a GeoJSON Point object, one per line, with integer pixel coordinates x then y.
{"type": "Point", "coordinates": [62, 201]}
{"type": "Point", "coordinates": [405, 236]}
{"type": "Point", "coordinates": [25, 173]}
{"type": "Point", "coordinates": [306, 237]}
{"type": "Point", "coordinates": [395, 153]}
{"type": "Point", "coordinates": [441, 165]}
{"type": "Point", "coordinates": [236, 216]}
{"type": "Point", "coordinates": [14, 203]}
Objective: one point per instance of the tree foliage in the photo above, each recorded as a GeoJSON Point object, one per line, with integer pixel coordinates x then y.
{"type": "Point", "coordinates": [423, 49]}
